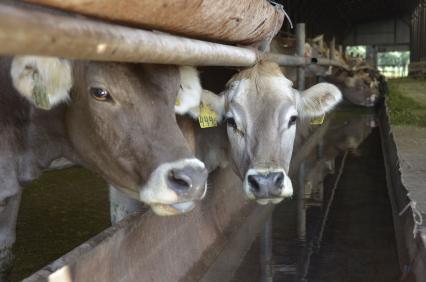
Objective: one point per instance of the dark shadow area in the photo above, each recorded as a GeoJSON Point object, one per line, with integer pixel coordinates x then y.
{"type": "Point", "coordinates": [59, 211]}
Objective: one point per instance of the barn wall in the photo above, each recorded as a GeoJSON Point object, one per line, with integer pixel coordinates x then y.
{"type": "Point", "coordinates": [391, 35]}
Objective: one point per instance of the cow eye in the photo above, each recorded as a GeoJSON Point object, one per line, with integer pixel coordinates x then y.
{"type": "Point", "coordinates": [231, 123]}
{"type": "Point", "coordinates": [292, 121]}
{"type": "Point", "coordinates": [100, 94]}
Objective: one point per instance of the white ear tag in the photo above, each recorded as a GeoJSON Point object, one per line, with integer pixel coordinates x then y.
{"type": "Point", "coordinates": [40, 96]}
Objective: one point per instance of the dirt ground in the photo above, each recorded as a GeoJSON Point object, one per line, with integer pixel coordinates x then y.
{"type": "Point", "coordinates": [58, 212]}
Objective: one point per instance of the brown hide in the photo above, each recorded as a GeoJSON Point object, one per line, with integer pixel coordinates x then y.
{"type": "Point", "coordinates": [186, 125]}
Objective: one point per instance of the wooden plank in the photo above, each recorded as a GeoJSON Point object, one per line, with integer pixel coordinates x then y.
{"type": "Point", "coordinates": [23, 31]}
{"type": "Point", "coordinates": [159, 248]}
{"type": "Point", "coordinates": [231, 21]}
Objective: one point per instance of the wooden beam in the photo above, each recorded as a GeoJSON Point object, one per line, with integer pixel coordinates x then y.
{"type": "Point", "coordinates": [23, 31]}
{"type": "Point", "coordinates": [230, 21]}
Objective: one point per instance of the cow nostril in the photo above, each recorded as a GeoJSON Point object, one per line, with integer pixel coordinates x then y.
{"type": "Point", "coordinates": [279, 180]}
{"type": "Point", "coordinates": [254, 185]}
{"type": "Point", "coordinates": [179, 181]}
{"type": "Point", "coordinates": [266, 185]}
{"type": "Point", "coordinates": [188, 182]}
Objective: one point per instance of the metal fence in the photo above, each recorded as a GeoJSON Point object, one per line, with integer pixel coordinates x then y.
{"type": "Point", "coordinates": [418, 40]}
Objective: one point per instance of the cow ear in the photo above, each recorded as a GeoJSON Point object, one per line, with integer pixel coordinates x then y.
{"type": "Point", "coordinates": [318, 100]}
{"type": "Point", "coordinates": [189, 94]}
{"type": "Point", "coordinates": [215, 102]}
{"type": "Point", "coordinates": [44, 81]}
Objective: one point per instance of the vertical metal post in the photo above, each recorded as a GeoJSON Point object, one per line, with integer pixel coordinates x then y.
{"type": "Point", "coordinates": [300, 51]}
{"type": "Point", "coordinates": [266, 271]}
{"type": "Point", "coordinates": [301, 210]}
{"type": "Point", "coordinates": [372, 55]}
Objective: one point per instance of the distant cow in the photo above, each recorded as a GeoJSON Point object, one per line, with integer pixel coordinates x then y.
{"type": "Point", "coordinates": [358, 87]}
{"type": "Point", "coordinates": [116, 119]}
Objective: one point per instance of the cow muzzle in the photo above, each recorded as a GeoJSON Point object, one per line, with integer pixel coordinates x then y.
{"type": "Point", "coordinates": [267, 185]}
{"type": "Point", "coordinates": [173, 188]}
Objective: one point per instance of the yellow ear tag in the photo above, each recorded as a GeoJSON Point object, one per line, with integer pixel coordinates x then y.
{"type": "Point", "coordinates": [178, 102]}
{"type": "Point", "coordinates": [318, 120]}
{"type": "Point", "coordinates": [207, 117]}
{"type": "Point", "coordinates": [41, 100]}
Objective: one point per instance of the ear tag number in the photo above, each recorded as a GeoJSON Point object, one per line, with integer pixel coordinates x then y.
{"type": "Point", "coordinates": [40, 96]}
{"type": "Point", "coordinates": [207, 117]}
{"type": "Point", "coordinates": [318, 120]}
{"type": "Point", "coordinates": [178, 102]}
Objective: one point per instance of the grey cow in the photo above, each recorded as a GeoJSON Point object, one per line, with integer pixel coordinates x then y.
{"type": "Point", "coordinates": [116, 119]}
{"type": "Point", "coordinates": [259, 109]}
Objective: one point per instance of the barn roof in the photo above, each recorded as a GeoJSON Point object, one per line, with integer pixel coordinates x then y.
{"type": "Point", "coordinates": [338, 16]}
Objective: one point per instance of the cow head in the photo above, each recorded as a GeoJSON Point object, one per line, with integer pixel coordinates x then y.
{"type": "Point", "coordinates": [120, 121]}
{"type": "Point", "coordinates": [260, 109]}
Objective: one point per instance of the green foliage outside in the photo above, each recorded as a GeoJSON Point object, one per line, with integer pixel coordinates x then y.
{"type": "Point", "coordinates": [356, 51]}
{"type": "Point", "coordinates": [407, 102]}
{"type": "Point", "coordinates": [394, 58]}
{"type": "Point", "coordinates": [394, 64]}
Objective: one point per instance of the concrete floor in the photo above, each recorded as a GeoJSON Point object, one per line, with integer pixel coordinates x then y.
{"type": "Point", "coordinates": [411, 144]}
{"type": "Point", "coordinates": [359, 242]}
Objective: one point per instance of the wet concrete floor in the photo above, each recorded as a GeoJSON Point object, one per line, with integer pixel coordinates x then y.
{"type": "Point", "coordinates": [356, 241]}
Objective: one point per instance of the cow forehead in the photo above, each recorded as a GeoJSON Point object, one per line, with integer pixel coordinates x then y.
{"type": "Point", "coordinates": [270, 93]}
{"type": "Point", "coordinates": [263, 81]}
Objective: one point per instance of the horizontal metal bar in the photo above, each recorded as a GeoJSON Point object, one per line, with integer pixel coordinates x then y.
{"type": "Point", "coordinates": [287, 60]}
{"type": "Point", "coordinates": [24, 31]}
{"type": "Point", "coordinates": [333, 63]}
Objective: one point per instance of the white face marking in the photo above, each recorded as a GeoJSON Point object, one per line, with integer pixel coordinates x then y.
{"type": "Point", "coordinates": [159, 196]}
{"type": "Point", "coordinates": [156, 189]}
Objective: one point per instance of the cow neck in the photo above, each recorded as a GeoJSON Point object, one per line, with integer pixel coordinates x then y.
{"type": "Point", "coordinates": [47, 137]}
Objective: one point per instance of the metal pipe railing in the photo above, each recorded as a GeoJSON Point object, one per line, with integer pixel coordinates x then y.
{"type": "Point", "coordinates": [300, 51]}
{"type": "Point", "coordinates": [24, 31]}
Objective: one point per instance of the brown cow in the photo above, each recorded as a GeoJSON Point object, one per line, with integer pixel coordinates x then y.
{"type": "Point", "coordinates": [116, 119]}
